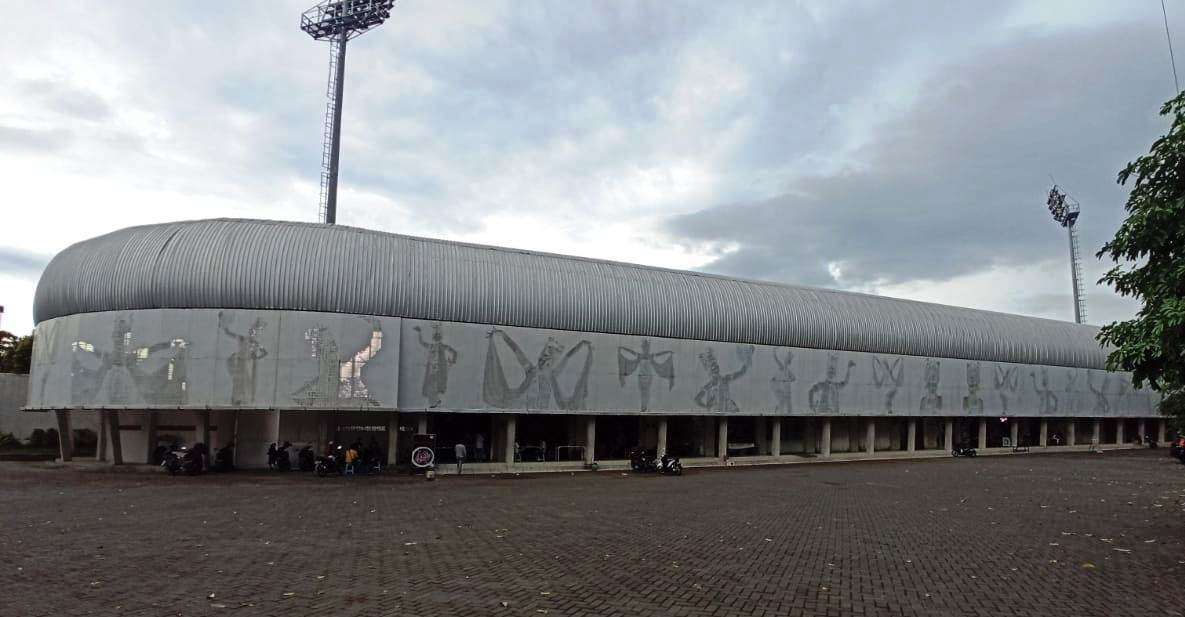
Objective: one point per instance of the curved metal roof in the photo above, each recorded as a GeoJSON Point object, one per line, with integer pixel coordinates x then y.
{"type": "Point", "coordinates": [252, 264]}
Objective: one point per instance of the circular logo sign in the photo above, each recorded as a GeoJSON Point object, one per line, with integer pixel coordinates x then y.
{"type": "Point", "coordinates": [423, 456]}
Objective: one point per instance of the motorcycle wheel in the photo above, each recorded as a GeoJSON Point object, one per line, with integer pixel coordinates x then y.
{"type": "Point", "coordinates": [677, 469]}
{"type": "Point", "coordinates": [321, 471]}
{"type": "Point", "coordinates": [954, 453]}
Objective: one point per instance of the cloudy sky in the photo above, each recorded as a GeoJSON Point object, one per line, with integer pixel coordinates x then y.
{"type": "Point", "coordinates": [901, 148]}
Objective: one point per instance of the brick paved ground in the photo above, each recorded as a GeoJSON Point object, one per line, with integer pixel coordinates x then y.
{"type": "Point", "coordinates": [1022, 535]}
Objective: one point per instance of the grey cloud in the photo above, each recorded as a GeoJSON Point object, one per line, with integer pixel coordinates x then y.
{"type": "Point", "coordinates": [957, 184]}
{"type": "Point", "coordinates": [20, 263]}
{"type": "Point", "coordinates": [34, 140]}
{"type": "Point", "coordinates": [66, 99]}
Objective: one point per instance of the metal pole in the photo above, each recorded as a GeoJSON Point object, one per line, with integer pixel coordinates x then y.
{"type": "Point", "coordinates": [1074, 273]}
{"type": "Point", "coordinates": [335, 149]}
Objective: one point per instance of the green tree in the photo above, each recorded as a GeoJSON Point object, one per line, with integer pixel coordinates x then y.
{"type": "Point", "coordinates": [16, 352]}
{"type": "Point", "coordinates": [1149, 253]}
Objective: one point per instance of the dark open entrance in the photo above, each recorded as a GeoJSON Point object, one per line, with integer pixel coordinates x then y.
{"type": "Point", "coordinates": [998, 429]}
{"type": "Point", "coordinates": [687, 437]}
{"type": "Point", "coordinates": [471, 429]}
{"type": "Point", "coordinates": [616, 435]}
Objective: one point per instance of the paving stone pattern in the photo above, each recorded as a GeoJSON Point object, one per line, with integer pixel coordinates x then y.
{"type": "Point", "coordinates": [1074, 534]}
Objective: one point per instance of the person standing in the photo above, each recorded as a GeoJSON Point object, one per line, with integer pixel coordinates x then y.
{"type": "Point", "coordinates": [460, 451]}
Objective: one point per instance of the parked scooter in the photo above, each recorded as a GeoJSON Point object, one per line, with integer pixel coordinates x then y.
{"type": "Point", "coordinates": [305, 459]}
{"type": "Point", "coordinates": [644, 461]}
{"type": "Point", "coordinates": [182, 459]}
{"type": "Point", "coordinates": [280, 460]}
{"type": "Point", "coordinates": [330, 463]}
{"type": "Point", "coordinates": [962, 450]}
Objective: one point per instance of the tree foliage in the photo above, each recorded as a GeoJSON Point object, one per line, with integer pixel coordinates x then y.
{"type": "Point", "coordinates": [1149, 253]}
{"type": "Point", "coordinates": [16, 352]}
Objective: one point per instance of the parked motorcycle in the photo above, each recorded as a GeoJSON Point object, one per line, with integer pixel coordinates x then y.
{"type": "Point", "coordinates": [280, 460]}
{"type": "Point", "coordinates": [305, 459]}
{"type": "Point", "coordinates": [644, 461]}
{"type": "Point", "coordinates": [963, 450]}
{"type": "Point", "coordinates": [182, 459]}
{"type": "Point", "coordinates": [330, 463]}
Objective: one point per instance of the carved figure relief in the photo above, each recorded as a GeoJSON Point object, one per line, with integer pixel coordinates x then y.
{"type": "Point", "coordinates": [244, 360]}
{"type": "Point", "coordinates": [440, 358]}
{"type": "Point", "coordinates": [1007, 381]}
{"type": "Point", "coordinates": [783, 383]}
{"type": "Point", "coordinates": [931, 400]}
{"type": "Point", "coordinates": [339, 378]}
{"type": "Point", "coordinates": [544, 374]}
{"type": "Point", "coordinates": [1046, 399]}
{"type": "Point", "coordinates": [646, 364]}
{"type": "Point", "coordinates": [823, 397]}
{"type": "Point", "coordinates": [888, 373]}
{"type": "Point", "coordinates": [120, 377]}
{"type": "Point", "coordinates": [973, 402]}
{"type": "Point", "coordinates": [1101, 404]}
{"type": "Point", "coordinates": [1070, 399]}
{"type": "Point", "coordinates": [716, 394]}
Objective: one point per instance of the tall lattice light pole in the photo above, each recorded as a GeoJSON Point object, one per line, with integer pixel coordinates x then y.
{"type": "Point", "coordinates": [1065, 211]}
{"type": "Point", "coordinates": [338, 21]}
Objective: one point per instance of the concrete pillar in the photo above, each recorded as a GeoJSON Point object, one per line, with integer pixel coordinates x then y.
{"type": "Point", "coordinates": [1140, 430]}
{"type": "Point", "coordinates": [322, 431]}
{"type": "Point", "coordinates": [275, 427]}
{"type": "Point", "coordinates": [982, 433]}
{"type": "Point", "coordinates": [825, 438]}
{"type": "Point", "coordinates": [65, 437]}
{"type": "Point", "coordinates": [422, 426]}
{"type": "Point", "coordinates": [760, 434]}
{"type": "Point", "coordinates": [1096, 431]}
{"type": "Point", "coordinates": [150, 433]}
{"type": "Point", "coordinates": [101, 447]}
{"type": "Point", "coordinates": [393, 439]}
{"type": "Point", "coordinates": [775, 437]}
{"type": "Point", "coordinates": [234, 440]}
{"type": "Point", "coordinates": [948, 434]}
{"type": "Point", "coordinates": [870, 436]}
{"type": "Point", "coordinates": [1043, 437]}
{"type": "Point", "coordinates": [1160, 431]}
{"type": "Point", "coordinates": [1014, 431]}
{"type": "Point", "coordinates": [1071, 432]}
{"type": "Point", "coordinates": [511, 427]}
{"type": "Point", "coordinates": [113, 434]}
{"type": "Point", "coordinates": [661, 446]}
{"type": "Point", "coordinates": [590, 439]}
{"type": "Point", "coordinates": [1119, 430]}
{"type": "Point", "coordinates": [203, 428]}
{"type": "Point", "coordinates": [721, 438]}
{"type": "Point", "coordinates": [911, 437]}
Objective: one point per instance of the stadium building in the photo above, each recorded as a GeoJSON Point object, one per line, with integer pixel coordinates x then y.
{"type": "Point", "coordinates": [254, 332]}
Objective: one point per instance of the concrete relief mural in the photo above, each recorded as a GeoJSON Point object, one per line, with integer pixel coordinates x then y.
{"type": "Point", "coordinates": [339, 378]}
{"type": "Point", "coordinates": [716, 395]}
{"type": "Point", "coordinates": [243, 362]}
{"type": "Point", "coordinates": [1007, 381]}
{"type": "Point", "coordinates": [973, 402]}
{"type": "Point", "coordinates": [544, 374]}
{"type": "Point", "coordinates": [1101, 405]}
{"type": "Point", "coordinates": [440, 357]}
{"type": "Point", "coordinates": [1070, 397]}
{"type": "Point", "coordinates": [783, 381]}
{"type": "Point", "coordinates": [931, 401]}
{"type": "Point", "coordinates": [646, 364]}
{"type": "Point", "coordinates": [824, 395]}
{"type": "Point", "coordinates": [120, 372]}
{"type": "Point", "coordinates": [1046, 399]}
{"type": "Point", "coordinates": [888, 374]}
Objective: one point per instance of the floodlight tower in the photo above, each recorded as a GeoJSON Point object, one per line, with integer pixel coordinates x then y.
{"type": "Point", "coordinates": [338, 21]}
{"type": "Point", "coordinates": [1065, 211]}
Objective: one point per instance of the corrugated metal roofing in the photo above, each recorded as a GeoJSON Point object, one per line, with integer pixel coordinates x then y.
{"type": "Point", "coordinates": [250, 264]}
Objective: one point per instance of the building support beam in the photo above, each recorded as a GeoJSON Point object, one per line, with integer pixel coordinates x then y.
{"type": "Point", "coordinates": [825, 438]}
{"type": "Point", "coordinates": [101, 447]}
{"type": "Point", "coordinates": [761, 434]}
{"type": "Point", "coordinates": [1140, 430]}
{"type": "Point", "coordinates": [870, 436]}
{"type": "Point", "coordinates": [150, 433]}
{"type": "Point", "coordinates": [775, 438]}
{"type": "Point", "coordinates": [1043, 435]}
{"type": "Point", "coordinates": [1119, 430]}
{"type": "Point", "coordinates": [722, 438]}
{"type": "Point", "coordinates": [1160, 431]}
{"type": "Point", "coordinates": [982, 434]}
{"type": "Point", "coordinates": [590, 440]}
{"type": "Point", "coordinates": [393, 439]}
{"type": "Point", "coordinates": [661, 446]}
{"type": "Point", "coordinates": [113, 434]}
{"type": "Point", "coordinates": [422, 426]}
{"type": "Point", "coordinates": [1071, 432]}
{"type": "Point", "coordinates": [65, 436]}
{"type": "Point", "coordinates": [948, 434]}
{"type": "Point", "coordinates": [511, 438]}
{"type": "Point", "coordinates": [1096, 431]}
{"type": "Point", "coordinates": [911, 435]}
{"type": "Point", "coordinates": [1014, 431]}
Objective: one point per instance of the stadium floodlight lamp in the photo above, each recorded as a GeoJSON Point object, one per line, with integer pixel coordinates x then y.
{"type": "Point", "coordinates": [338, 21]}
